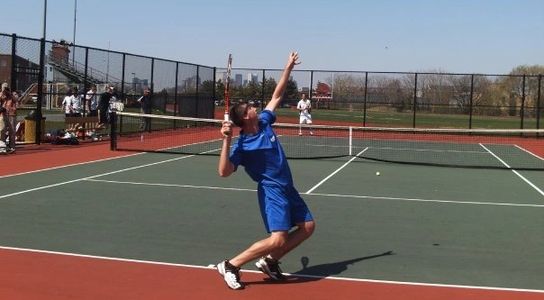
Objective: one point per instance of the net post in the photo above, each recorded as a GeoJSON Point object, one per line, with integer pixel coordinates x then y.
{"type": "Point", "coordinates": [350, 141]}
{"type": "Point", "coordinates": [113, 131]}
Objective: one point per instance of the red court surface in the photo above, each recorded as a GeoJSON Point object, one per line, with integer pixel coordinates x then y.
{"type": "Point", "coordinates": [35, 275]}
{"type": "Point", "coordinates": [30, 158]}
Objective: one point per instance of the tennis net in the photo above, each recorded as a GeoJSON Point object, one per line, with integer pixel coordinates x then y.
{"type": "Point", "coordinates": [475, 148]}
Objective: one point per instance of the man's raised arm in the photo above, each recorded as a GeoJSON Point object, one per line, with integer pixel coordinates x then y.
{"type": "Point", "coordinates": [282, 84]}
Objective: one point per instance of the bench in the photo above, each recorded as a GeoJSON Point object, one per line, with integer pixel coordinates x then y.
{"type": "Point", "coordinates": [83, 126]}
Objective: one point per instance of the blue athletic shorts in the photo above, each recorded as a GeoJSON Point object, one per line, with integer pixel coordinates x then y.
{"type": "Point", "coordinates": [282, 207]}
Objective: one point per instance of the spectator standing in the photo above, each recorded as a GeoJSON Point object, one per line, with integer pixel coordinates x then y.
{"type": "Point", "coordinates": [76, 103]}
{"type": "Point", "coordinates": [3, 122]}
{"type": "Point", "coordinates": [103, 106]}
{"type": "Point", "coordinates": [12, 109]}
{"type": "Point", "coordinates": [67, 104]}
{"type": "Point", "coordinates": [9, 111]}
{"type": "Point", "coordinates": [92, 102]}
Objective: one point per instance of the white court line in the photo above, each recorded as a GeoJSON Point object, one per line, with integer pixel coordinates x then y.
{"type": "Point", "coordinates": [430, 200]}
{"type": "Point", "coordinates": [100, 160]}
{"type": "Point", "coordinates": [337, 170]}
{"type": "Point", "coordinates": [324, 195]}
{"type": "Point", "coordinates": [95, 176]}
{"type": "Point", "coordinates": [515, 172]}
{"type": "Point", "coordinates": [158, 263]}
{"type": "Point", "coordinates": [174, 185]}
{"type": "Point", "coordinates": [70, 165]}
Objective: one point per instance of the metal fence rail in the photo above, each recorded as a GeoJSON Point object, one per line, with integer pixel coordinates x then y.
{"type": "Point", "coordinates": [44, 71]}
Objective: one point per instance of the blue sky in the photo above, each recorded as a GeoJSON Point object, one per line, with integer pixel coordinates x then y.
{"type": "Point", "coordinates": [464, 36]}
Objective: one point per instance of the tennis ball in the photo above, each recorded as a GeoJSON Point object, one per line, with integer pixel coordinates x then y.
{"type": "Point", "coordinates": [377, 173]}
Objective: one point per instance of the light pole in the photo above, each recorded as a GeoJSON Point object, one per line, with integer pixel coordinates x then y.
{"type": "Point", "coordinates": [38, 116]}
{"type": "Point", "coordinates": [44, 17]}
{"type": "Point", "coordinates": [74, 39]}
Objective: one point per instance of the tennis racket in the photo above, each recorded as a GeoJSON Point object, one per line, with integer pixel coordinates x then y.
{"type": "Point", "coordinates": [227, 88]}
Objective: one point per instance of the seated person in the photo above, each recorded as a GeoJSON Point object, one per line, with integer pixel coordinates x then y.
{"type": "Point", "coordinates": [61, 137]}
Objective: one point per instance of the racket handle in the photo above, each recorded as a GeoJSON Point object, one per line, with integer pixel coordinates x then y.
{"type": "Point", "coordinates": [227, 116]}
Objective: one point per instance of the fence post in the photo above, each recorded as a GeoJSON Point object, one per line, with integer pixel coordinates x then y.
{"type": "Point", "coordinates": [152, 71]}
{"type": "Point", "coordinates": [522, 109]}
{"type": "Point", "coordinates": [213, 90]}
{"type": "Point", "coordinates": [415, 101]}
{"type": "Point", "coordinates": [13, 83]}
{"type": "Point", "coordinates": [470, 103]}
{"type": "Point", "coordinates": [310, 94]}
{"type": "Point", "coordinates": [176, 91]}
{"type": "Point", "coordinates": [123, 75]}
{"type": "Point", "coordinates": [538, 101]}
{"type": "Point", "coordinates": [197, 91]}
{"type": "Point", "coordinates": [263, 89]}
{"type": "Point", "coordinates": [365, 99]}
{"type": "Point", "coordinates": [38, 116]}
{"type": "Point", "coordinates": [85, 82]}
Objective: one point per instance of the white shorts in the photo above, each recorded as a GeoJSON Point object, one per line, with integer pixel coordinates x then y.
{"type": "Point", "coordinates": [305, 118]}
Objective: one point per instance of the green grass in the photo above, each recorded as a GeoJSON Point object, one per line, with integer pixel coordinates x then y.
{"type": "Point", "coordinates": [405, 119]}
{"type": "Point", "coordinates": [379, 118]}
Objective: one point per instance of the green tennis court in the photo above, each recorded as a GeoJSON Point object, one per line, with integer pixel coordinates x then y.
{"type": "Point", "coordinates": [412, 223]}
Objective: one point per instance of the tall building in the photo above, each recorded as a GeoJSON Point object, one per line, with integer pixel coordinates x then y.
{"type": "Point", "coordinates": [252, 78]}
{"type": "Point", "coordinates": [238, 79]}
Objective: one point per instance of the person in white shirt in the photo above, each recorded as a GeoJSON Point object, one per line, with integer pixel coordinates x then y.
{"type": "Point", "coordinates": [92, 101]}
{"type": "Point", "coordinates": [67, 104]}
{"type": "Point", "coordinates": [305, 108]}
{"type": "Point", "coordinates": [76, 103]}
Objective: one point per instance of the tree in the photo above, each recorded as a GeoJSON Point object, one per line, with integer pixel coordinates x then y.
{"type": "Point", "coordinates": [252, 91]}
{"type": "Point", "coordinates": [220, 89]}
{"type": "Point", "coordinates": [530, 90]}
{"type": "Point", "coordinates": [348, 88]}
{"type": "Point", "coordinates": [269, 87]}
{"type": "Point", "coordinates": [434, 91]}
{"type": "Point", "coordinates": [392, 91]}
{"type": "Point", "coordinates": [206, 87]}
{"type": "Point", "coordinates": [291, 90]}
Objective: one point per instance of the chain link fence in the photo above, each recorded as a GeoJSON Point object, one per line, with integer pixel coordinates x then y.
{"type": "Point", "coordinates": [181, 89]}
{"type": "Point", "coordinates": [402, 99]}
{"type": "Point", "coordinates": [390, 99]}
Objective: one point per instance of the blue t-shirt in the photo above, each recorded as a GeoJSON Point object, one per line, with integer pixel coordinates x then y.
{"type": "Point", "coordinates": [261, 154]}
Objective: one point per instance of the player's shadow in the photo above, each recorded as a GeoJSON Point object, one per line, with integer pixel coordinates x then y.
{"type": "Point", "coordinates": [313, 273]}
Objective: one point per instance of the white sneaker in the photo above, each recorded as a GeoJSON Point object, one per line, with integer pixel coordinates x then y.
{"type": "Point", "coordinates": [230, 274]}
{"type": "Point", "coordinates": [270, 267]}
